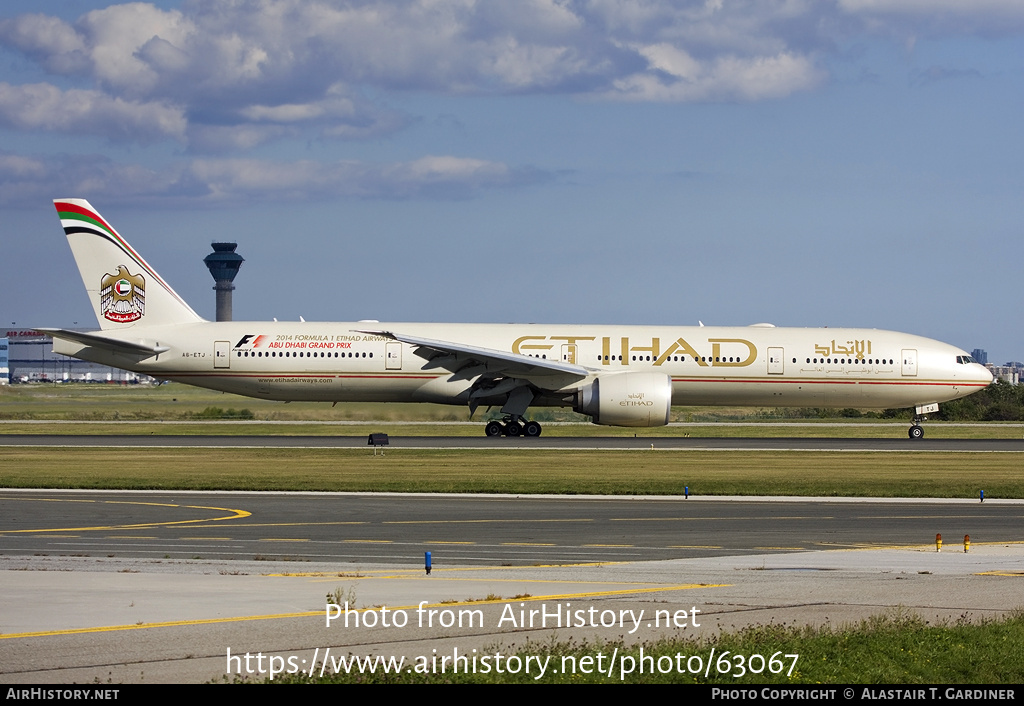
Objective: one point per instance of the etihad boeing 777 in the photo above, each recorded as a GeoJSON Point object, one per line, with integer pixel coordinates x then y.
{"type": "Point", "coordinates": [626, 376]}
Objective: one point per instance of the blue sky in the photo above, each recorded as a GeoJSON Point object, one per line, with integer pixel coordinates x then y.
{"type": "Point", "coordinates": [845, 163]}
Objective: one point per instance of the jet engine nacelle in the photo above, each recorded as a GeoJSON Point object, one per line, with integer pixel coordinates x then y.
{"type": "Point", "coordinates": [627, 399]}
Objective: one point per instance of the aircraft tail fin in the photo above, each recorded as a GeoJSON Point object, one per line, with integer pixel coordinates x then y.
{"type": "Point", "coordinates": [125, 291]}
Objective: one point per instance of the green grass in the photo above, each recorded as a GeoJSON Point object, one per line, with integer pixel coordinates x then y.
{"type": "Point", "coordinates": [897, 648]}
{"type": "Point", "coordinates": [170, 402]}
{"type": "Point", "coordinates": [893, 649]}
{"type": "Point", "coordinates": [640, 472]}
{"type": "Point", "coordinates": [145, 409]}
{"type": "Point", "coordinates": [221, 427]}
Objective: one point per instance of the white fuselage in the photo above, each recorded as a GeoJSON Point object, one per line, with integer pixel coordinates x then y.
{"type": "Point", "coordinates": [617, 375]}
{"type": "Point", "coordinates": [753, 365]}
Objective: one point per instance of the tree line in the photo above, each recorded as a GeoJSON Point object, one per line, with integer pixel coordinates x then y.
{"type": "Point", "coordinates": [999, 402]}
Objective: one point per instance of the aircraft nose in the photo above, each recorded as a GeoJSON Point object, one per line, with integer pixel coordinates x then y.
{"type": "Point", "coordinates": [984, 374]}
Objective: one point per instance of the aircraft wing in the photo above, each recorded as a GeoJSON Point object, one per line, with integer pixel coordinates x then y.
{"type": "Point", "coordinates": [466, 362]}
{"type": "Point", "coordinates": [98, 340]}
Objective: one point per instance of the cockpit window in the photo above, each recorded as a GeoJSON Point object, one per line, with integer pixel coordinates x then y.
{"type": "Point", "coordinates": [965, 359]}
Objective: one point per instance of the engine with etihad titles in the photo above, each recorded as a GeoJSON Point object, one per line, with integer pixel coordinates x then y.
{"type": "Point", "coordinates": [627, 399]}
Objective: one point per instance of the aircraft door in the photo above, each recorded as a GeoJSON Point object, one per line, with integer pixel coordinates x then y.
{"type": "Point", "coordinates": [775, 361]}
{"type": "Point", "coordinates": [393, 355]}
{"type": "Point", "coordinates": [909, 362]}
{"type": "Point", "coordinates": [569, 353]}
{"type": "Point", "coordinates": [222, 354]}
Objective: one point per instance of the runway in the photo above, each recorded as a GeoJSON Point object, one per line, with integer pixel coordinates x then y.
{"type": "Point", "coordinates": [168, 587]}
{"type": "Point", "coordinates": [164, 586]}
{"type": "Point", "coordinates": [547, 442]}
{"type": "Point", "coordinates": [474, 530]}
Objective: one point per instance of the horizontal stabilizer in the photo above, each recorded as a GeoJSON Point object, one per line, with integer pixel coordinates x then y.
{"type": "Point", "coordinates": [100, 341]}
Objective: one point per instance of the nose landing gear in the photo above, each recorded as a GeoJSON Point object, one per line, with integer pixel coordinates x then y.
{"type": "Point", "coordinates": [916, 431]}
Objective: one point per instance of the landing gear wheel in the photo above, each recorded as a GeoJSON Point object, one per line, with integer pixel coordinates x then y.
{"type": "Point", "coordinates": [513, 429]}
{"type": "Point", "coordinates": [532, 429]}
{"type": "Point", "coordinates": [916, 432]}
{"type": "Point", "coordinates": [494, 429]}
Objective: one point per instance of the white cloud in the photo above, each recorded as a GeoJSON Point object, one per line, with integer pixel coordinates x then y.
{"type": "Point", "coordinates": [435, 176]}
{"type": "Point", "coordinates": [682, 78]}
{"type": "Point", "coordinates": [213, 139]}
{"type": "Point", "coordinates": [224, 51]}
{"type": "Point", "coordinates": [518, 66]}
{"type": "Point", "coordinates": [933, 7]}
{"type": "Point", "coordinates": [246, 72]}
{"type": "Point", "coordinates": [290, 113]}
{"type": "Point", "coordinates": [340, 114]}
{"type": "Point", "coordinates": [14, 167]}
{"type": "Point", "coordinates": [117, 36]}
{"type": "Point", "coordinates": [944, 17]}
{"type": "Point", "coordinates": [28, 181]}
{"type": "Point", "coordinates": [41, 106]}
{"type": "Point", "coordinates": [49, 40]}
{"type": "Point", "coordinates": [207, 182]}
{"type": "Point", "coordinates": [161, 55]}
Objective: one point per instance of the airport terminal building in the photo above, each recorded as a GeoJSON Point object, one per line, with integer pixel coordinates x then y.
{"type": "Point", "coordinates": [30, 358]}
{"type": "Point", "coordinates": [5, 371]}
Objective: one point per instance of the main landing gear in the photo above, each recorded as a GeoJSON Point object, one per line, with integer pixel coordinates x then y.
{"type": "Point", "coordinates": [513, 426]}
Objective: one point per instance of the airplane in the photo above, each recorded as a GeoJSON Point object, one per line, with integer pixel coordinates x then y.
{"type": "Point", "coordinates": [627, 376]}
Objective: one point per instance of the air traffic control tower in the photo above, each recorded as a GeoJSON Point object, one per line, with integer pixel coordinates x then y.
{"type": "Point", "coordinates": [224, 263]}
